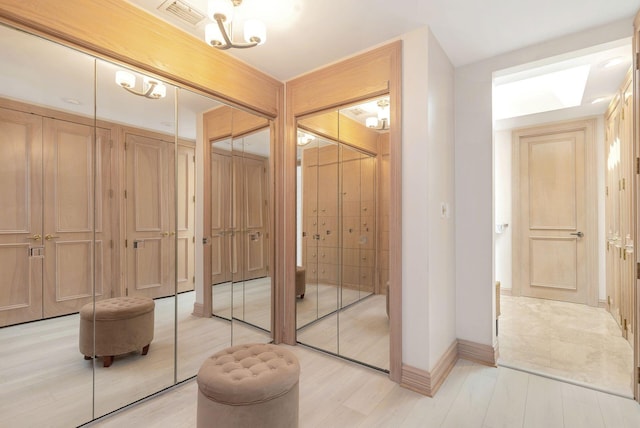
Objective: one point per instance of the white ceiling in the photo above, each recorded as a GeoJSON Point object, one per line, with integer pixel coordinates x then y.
{"type": "Point", "coordinates": [303, 35]}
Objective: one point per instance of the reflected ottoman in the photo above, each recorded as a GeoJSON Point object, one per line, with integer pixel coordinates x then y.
{"type": "Point", "coordinates": [253, 385]}
{"type": "Point", "coordinates": [122, 325]}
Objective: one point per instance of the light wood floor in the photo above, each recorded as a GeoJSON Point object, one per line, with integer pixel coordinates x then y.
{"type": "Point", "coordinates": [336, 393]}
{"type": "Point", "coordinates": [359, 332]}
{"type": "Point", "coordinates": [567, 340]}
{"type": "Point", "coordinates": [44, 381]}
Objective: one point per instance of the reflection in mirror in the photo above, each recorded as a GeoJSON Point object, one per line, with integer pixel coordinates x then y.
{"type": "Point", "coordinates": [343, 182]}
{"type": "Point", "coordinates": [240, 222]}
{"type": "Point", "coordinates": [149, 229]}
{"type": "Point", "coordinates": [198, 337]}
{"type": "Point", "coordinates": [47, 147]}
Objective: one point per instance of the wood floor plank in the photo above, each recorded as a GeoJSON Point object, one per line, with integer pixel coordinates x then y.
{"type": "Point", "coordinates": [544, 404]}
{"type": "Point", "coordinates": [507, 405]}
{"type": "Point", "coordinates": [618, 412]}
{"type": "Point", "coordinates": [581, 407]}
{"type": "Point", "coordinates": [470, 406]}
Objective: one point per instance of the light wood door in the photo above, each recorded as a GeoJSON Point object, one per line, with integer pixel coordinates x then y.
{"type": "Point", "coordinates": [553, 216]}
{"type": "Point", "coordinates": [21, 210]}
{"type": "Point", "coordinates": [72, 214]}
{"type": "Point", "coordinates": [254, 209]}
{"type": "Point", "coordinates": [186, 200]}
{"type": "Point", "coordinates": [612, 223]}
{"type": "Point", "coordinates": [220, 217]}
{"type": "Point", "coordinates": [150, 216]}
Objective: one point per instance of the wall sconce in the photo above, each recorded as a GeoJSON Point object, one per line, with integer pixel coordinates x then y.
{"type": "Point", "coordinates": [381, 122]}
{"type": "Point", "coordinates": [151, 88]}
{"type": "Point", "coordinates": [220, 36]}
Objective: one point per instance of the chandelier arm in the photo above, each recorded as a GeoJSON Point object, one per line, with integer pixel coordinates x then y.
{"type": "Point", "coordinates": [227, 39]}
{"type": "Point", "coordinates": [141, 94]}
{"type": "Point", "coordinates": [223, 31]}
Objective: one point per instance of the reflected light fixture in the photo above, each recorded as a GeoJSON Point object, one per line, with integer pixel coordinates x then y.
{"type": "Point", "coordinates": [219, 34]}
{"type": "Point", "coordinates": [304, 138]}
{"type": "Point", "coordinates": [151, 87]}
{"type": "Point", "coordinates": [381, 122]}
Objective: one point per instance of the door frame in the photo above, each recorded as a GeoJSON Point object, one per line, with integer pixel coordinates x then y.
{"type": "Point", "coordinates": [634, 200]}
{"type": "Point", "coordinates": [588, 126]}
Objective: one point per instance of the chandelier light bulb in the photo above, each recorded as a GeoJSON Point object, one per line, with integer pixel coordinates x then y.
{"type": "Point", "coordinates": [212, 34]}
{"type": "Point", "coordinates": [125, 79]}
{"type": "Point", "coordinates": [255, 31]}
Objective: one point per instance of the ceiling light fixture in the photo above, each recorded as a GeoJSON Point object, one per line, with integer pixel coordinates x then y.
{"type": "Point", "coordinates": [151, 88]}
{"type": "Point", "coordinates": [381, 122]}
{"type": "Point", "coordinates": [219, 34]}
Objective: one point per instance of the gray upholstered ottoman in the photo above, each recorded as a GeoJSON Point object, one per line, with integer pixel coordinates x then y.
{"type": "Point", "coordinates": [122, 325]}
{"type": "Point", "coordinates": [254, 385]}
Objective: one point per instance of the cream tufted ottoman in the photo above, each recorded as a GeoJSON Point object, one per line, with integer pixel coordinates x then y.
{"type": "Point", "coordinates": [123, 325]}
{"type": "Point", "coordinates": [250, 385]}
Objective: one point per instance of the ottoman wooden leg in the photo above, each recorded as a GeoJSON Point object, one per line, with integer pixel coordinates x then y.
{"type": "Point", "coordinates": [145, 349]}
{"type": "Point", "coordinates": [86, 357]}
{"type": "Point", "coordinates": [107, 360]}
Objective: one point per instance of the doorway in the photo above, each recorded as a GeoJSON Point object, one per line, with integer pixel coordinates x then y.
{"type": "Point", "coordinates": [549, 254]}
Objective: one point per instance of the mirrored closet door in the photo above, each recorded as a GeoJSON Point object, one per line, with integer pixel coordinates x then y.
{"type": "Point", "coordinates": [101, 200]}
{"type": "Point", "coordinates": [342, 273]}
{"type": "Point", "coordinates": [241, 247]}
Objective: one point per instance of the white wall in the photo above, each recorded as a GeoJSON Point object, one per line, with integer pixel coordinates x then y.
{"type": "Point", "coordinates": [502, 198]}
{"type": "Point", "coordinates": [428, 271]}
{"type": "Point", "coordinates": [415, 202]}
{"type": "Point", "coordinates": [440, 170]}
{"type": "Point", "coordinates": [474, 175]}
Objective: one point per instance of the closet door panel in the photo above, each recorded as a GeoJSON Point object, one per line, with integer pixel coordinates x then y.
{"type": "Point", "coordinates": [71, 213]}
{"type": "Point", "coordinates": [255, 187]}
{"type": "Point", "coordinates": [186, 218]}
{"type": "Point", "coordinates": [20, 217]}
{"type": "Point", "coordinates": [220, 218]}
{"type": "Point", "coordinates": [150, 193]}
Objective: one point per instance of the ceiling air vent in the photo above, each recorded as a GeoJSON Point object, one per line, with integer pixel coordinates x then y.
{"type": "Point", "coordinates": [183, 11]}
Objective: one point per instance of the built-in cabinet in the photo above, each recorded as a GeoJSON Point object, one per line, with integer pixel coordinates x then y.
{"type": "Point", "coordinates": [619, 209]}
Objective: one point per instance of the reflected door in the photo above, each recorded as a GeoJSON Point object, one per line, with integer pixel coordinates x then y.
{"type": "Point", "coordinates": [255, 217]}
{"type": "Point", "coordinates": [220, 217]}
{"type": "Point", "coordinates": [69, 216]}
{"type": "Point", "coordinates": [20, 217]}
{"type": "Point", "coordinates": [186, 200]}
{"type": "Point", "coordinates": [150, 216]}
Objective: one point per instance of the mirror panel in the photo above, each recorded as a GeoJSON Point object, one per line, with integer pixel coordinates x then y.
{"type": "Point", "coordinates": [240, 222]}
{"type": "Point", "coordinates": [47, 148]}
{"type": "Point", "coordinates": [148, 227]}
{"type": "Point", "coordinates": [197, 337]}
{"type": "Point", "coordinates": [349, 189]}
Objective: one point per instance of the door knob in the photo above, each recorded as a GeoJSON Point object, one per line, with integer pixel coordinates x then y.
{"type": "Point", "coordinates": [578, 234]}
{"type": "Point", "coordinates": [164, 233]}
{"type": "Point", "coordinates": [35, 237]}
{"type": "Point", "coordinates": [49, 237]}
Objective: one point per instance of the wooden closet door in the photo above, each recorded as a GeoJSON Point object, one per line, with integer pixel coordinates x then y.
{"type": "Point", "coordinates": [220, 218]}
{"type": "Point", "coordinates": [185, 194]}
{"type": "Point", "coordinates": [150, 189]}
{"type": "Point", "coordinates": [71, 213]}
{"type": "Point", "coordinates": [255, 218]}
{"type": "Point", "coordinates": [20, 217]}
